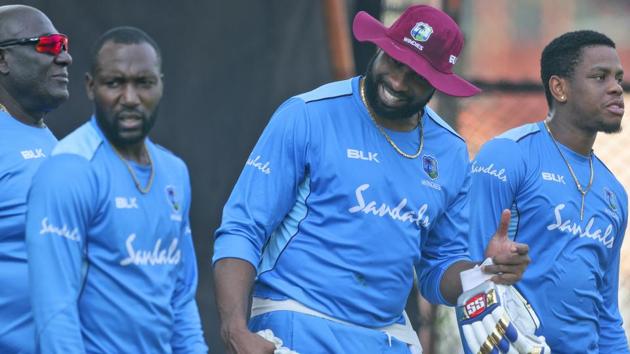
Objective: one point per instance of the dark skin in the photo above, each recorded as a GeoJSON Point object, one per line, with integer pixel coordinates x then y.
{"type": "Point", "coordinates": [396, 93]}
{"type": "Point", "coordinates": [397, 88]}
{"type": "Point", "coordinates": [31, 83]}
{"type": "Point", "coordinates": [126, 88]}
{"type": "Point", "coordinates": [234, 279]}
{"type": "Point", "coordinates": [589, 101]}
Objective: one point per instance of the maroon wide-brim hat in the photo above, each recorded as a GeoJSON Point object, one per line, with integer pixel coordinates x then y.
{"type": "Point", "coordinates": [425, 39]}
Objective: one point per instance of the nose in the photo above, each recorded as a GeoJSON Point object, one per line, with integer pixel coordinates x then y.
{"type": "Point", "coordinates": [616, 88]}
{"type": "Point", "coordinates": [64, 58]}
{"type": "Point", "coordinates": [130, 97]}
{"type": "Point", "coordinates": [398, 78]}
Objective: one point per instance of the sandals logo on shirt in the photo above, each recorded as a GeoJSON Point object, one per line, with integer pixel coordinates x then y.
{"type": "Point", "coordinates": [430, 166]}
{"type": "Point", "coordinates": [154, 256]}
{"type": "Point", "coordinates": [175, 203]}
{"type": "Point", "coordinates": [578, 228]}
{"type": "Point", "coordinates": [400, 212]}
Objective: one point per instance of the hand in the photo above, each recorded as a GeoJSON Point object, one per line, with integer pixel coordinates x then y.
{"type": "Point", "coordinates": [242, 341]}
{"type": "Point", "coordinates": [510, 258]}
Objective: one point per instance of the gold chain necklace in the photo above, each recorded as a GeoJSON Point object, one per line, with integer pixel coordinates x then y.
{"type": "Point", "coordinates": [389, 140]}
{"type": "Point", "coordinates": [582, 191]}
{"type": "Point", "coordinates": [146, 189]}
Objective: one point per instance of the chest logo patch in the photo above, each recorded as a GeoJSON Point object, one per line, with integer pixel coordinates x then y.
{"type": "Point", "coordinates": [174, 200]}
{"type": "Point", "coordinates": [430, 166]}
{"type": "Point", "coordinates": [610, 199]}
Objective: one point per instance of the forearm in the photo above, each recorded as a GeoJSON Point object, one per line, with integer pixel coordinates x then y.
{"type": "Point", "coordinates": [233, 279]}
{"type": "Point", "coordinates": [451, 285]}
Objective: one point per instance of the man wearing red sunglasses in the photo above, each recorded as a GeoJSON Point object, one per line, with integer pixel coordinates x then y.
{"type": "Point", "coordinates": [34, 64]}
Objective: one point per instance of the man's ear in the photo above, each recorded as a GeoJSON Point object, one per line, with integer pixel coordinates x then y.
{"type": "Point", "coordinates": [4, 63]}
{"type": "Point", "coordinates": [89, 86]}
{"type": "Point", "coordinates": [559, 88]}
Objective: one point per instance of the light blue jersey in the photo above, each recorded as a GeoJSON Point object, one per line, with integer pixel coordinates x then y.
{"type": "Point", "coordinates": [22, 149]}
{"type": "Point", "coordinates": [572, 281]}
{"type": "Point", "coordinates": [112, 270]}
{"type": "Point", "coordinates": [333, 217]}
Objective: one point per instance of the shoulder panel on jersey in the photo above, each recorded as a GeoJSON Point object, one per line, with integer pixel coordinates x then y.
{"type": "Point", "coordinates": [330, 90]}
{"type": "Point", "coordinates": [83, 142]}
{"type": "Point", "coordinates": [163, 149]}
{"type": "Point", "coordinates": [164, 152]}
{"type": "Point", "coordinates": [520, 132]}
{"type": "Point", "coordinates": [441, 122]}
{"type": "Point", "coordinates": [609, 170]}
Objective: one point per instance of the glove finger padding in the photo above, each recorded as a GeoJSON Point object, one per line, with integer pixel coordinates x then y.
{"type": "Point", "coordinates": [497, 319]}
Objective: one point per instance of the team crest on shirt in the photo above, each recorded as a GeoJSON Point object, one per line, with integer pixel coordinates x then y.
{"type": "Point", "coordinates": [421, 32]}
{"type": "Point", "coordinates": [611, 200]}
{"type": "Point", "coordinates": [430, 166]}
{"type": "Point", "coordinates": [174, 200]}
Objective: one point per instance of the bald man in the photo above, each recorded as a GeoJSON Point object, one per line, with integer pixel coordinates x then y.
{"type": "Point", "coordinates": [34, 64]}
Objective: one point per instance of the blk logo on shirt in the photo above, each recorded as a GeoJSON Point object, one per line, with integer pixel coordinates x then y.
{"type": "Point", "coordinates": [32, 154]}
{"type": "Point", "coordinates": [548, 176]}
{"type": "Point", "coordinates": [360, 155]}
{"type": "Point", "coordinates": [126, 203]}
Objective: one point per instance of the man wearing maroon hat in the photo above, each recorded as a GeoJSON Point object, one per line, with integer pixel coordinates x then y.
{"type": "Point", "coordinates": [350, 188]}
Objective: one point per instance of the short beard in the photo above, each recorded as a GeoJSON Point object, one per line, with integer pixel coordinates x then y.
{"type": "Point", "coordinates": [382, 111]}
{"type": "Point", "coordinates": [113, 133]}
{"type": "Point", "coordinates": [610, 129]}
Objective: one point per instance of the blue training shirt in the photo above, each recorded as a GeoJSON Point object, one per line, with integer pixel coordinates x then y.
{"type": "Point", "coordinates": [333, 217]}
{"type": "Point", "coordinates": [22, 149]}
{"type": "Point", "coordinates": [572, 282]}
{"type": "Point", "coordinates": [112, 270]}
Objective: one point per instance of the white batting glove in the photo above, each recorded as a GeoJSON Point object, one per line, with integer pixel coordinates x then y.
{"type": "Point", "coordinates": [268, 335]}
{"type": "Point", "coordinates": [497, 319]}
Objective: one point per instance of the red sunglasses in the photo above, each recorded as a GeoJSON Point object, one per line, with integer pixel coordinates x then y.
{"type": "Point", "coordinates": [52, 44]}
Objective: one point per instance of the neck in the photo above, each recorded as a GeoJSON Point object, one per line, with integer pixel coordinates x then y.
{"type": "Point", "coordinates": [136, 152]}
{"type": "Point", "coordinates": [20, 113]}
{"type": "Point", "coordinates": [403, 125]}
{"type": "Point", "coordinates": [571, 136]}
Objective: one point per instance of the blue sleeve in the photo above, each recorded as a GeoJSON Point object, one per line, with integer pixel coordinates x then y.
{"type": "Point", "coordinates": [445, 245]}
{"type": "Point", "coordinates": [187, 332]}
{"type": "Point", "coordinates": [59, 211]}
{"type": "Point", "coordinates": [267, 187]}
{"type": "Point", "coordinates": [612, 337]}
{"type": "Point", "coordinates": [496, 174]}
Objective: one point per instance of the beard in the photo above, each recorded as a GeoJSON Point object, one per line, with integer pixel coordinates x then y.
{"type": "Point", "coordinates": [109, 123]}
{"type": "Point", "coordinates": [600, 124]}
{"type": "Point", "coordinates": [372, 82]}
{"type": "Point", "coordinates": [612, 128]}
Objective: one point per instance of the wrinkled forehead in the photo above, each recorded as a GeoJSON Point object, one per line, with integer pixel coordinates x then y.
{"type": "Point", "coordinates": [24, 23]}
